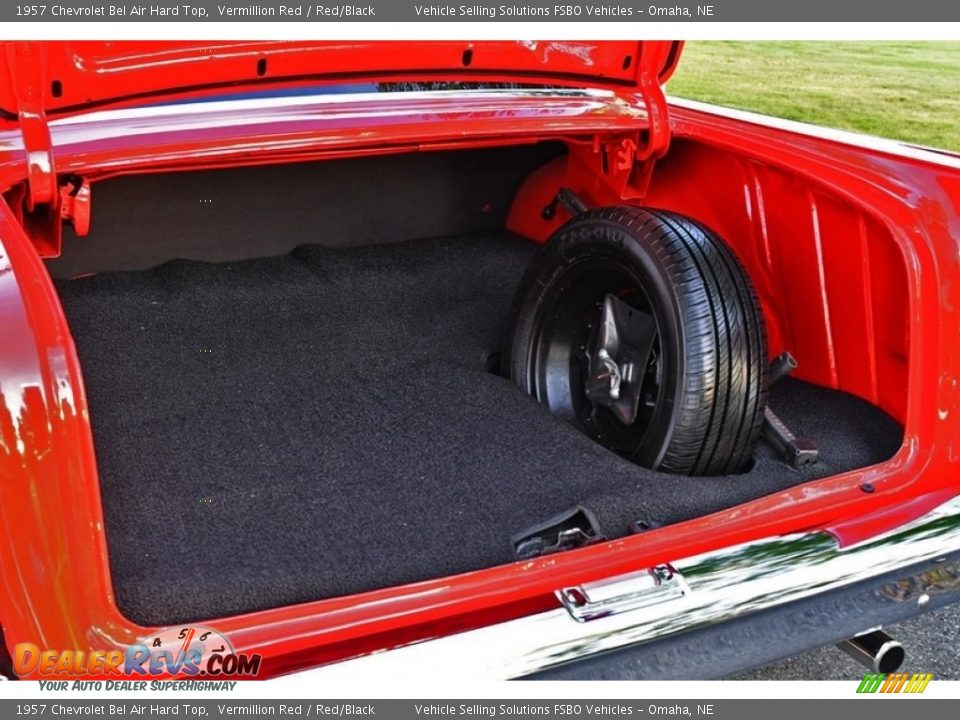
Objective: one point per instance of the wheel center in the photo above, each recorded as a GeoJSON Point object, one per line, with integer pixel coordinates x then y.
{"type": "Point", "coordinates": [606, 380]}
{"type": "Point", "coordinates": [619, 351]}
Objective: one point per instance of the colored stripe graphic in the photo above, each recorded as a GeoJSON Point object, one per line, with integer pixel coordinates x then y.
{"type": "Point", "coordinates": [894, 683]}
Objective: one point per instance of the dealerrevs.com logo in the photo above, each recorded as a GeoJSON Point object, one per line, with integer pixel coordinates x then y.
{"type": "Point", "coordinates": [191, 651]}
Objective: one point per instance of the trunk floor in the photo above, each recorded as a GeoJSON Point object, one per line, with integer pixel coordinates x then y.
{"type": "Point", "coordinates": [287, 429]}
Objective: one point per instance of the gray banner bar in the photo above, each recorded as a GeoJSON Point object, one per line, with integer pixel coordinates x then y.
{"type": "Point", "coordinates": [785, 709]}
{"type": "Point", "coordinates": [481, 11]}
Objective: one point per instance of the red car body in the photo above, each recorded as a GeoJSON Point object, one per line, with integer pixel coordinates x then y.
{"type": "Point", "coordinates": [56, 586]}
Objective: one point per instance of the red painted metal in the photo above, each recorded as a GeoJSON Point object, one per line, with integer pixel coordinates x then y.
{"type": "Point", "coordinates": [270, 132]}
{"type": "Point", "coordinates": [148, 140]}
{"type": "Point", "coordinates": [42, 80]}
{"type": "Point", "coordinates": [55, 584]}
{"type": "Point", "coordinates": [869, 233]}
{"type": "Point", "coordinates": [75, 205]}
{"type": "Point", "coordinates": [24, 76]}
{"type": "Point", "coordinates": [84, 74]}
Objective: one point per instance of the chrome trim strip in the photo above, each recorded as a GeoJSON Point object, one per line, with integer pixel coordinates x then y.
{"type": "Point", "coordinates": [724, 584]}
{"type": "Point", "coordinates": [323, 122]}
{"type": "Point", "coordinates": [214, 105]}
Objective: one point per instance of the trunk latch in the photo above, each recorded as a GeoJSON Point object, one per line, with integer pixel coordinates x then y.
{"type": "Point", "coordinates": [573, 529]}
{"type": "Point", "coordinates": [623, 593]}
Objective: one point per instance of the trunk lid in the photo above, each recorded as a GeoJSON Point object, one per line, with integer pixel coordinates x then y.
{"type": "Point", "coordinates": [41, 81]}
{"type": "Point", "coordinates": [71, 77]}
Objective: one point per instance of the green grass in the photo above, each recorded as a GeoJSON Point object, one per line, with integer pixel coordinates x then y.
{"type": "Point", "coordinates": [903, 90]}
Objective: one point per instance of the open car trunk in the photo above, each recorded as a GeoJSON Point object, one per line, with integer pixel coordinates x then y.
{"type": "Point", "coordinates": [294, 388]}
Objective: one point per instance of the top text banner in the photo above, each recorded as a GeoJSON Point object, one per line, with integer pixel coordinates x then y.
{"type": "Point", "coordinates": [538, 11]}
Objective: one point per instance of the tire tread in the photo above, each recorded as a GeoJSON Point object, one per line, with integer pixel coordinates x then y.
{"type": "Point", "coordinates": [721, 397]}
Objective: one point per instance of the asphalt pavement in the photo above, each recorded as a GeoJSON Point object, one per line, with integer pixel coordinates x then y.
{"type": "Point", "coordinates": [931, 641]}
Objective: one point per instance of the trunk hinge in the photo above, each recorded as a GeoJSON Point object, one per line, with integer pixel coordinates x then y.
{"type": "Point", "coordinates": [633, 158]}
{"type": "Point", "coordinates": [41, 196]}
{"type": "Point", "coordinates": [618, 164]}
{"type": "Point", "coordinates": [658, 134]}
{"type": "Point", "coordinates": [623, 163]}
{"type": "Point", "coordinates": [654, 57]}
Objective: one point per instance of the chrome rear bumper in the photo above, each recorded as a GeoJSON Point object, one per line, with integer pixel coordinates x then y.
{"type": "Point", "coordinates": [689, 594]}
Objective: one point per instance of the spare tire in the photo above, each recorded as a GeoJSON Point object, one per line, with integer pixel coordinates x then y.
{"type": "Point", "coordinates": [641, 328]}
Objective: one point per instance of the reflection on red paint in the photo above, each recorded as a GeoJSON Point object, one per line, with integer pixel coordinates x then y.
{"type": "Point", "coordinates": [884, 260]}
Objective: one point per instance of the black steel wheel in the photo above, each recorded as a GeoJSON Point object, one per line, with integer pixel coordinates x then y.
{"type": "Point", "coordinates": [642, 329]}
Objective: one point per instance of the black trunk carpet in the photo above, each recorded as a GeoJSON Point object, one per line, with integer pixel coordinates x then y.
{"type": "Point", "coordinates": [280, 430]}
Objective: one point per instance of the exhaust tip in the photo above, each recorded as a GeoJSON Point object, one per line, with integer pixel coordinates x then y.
{"type": "Point", "coordinates": [890, 657]}
{"type": "Point", "coordinates": [875, 650]}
